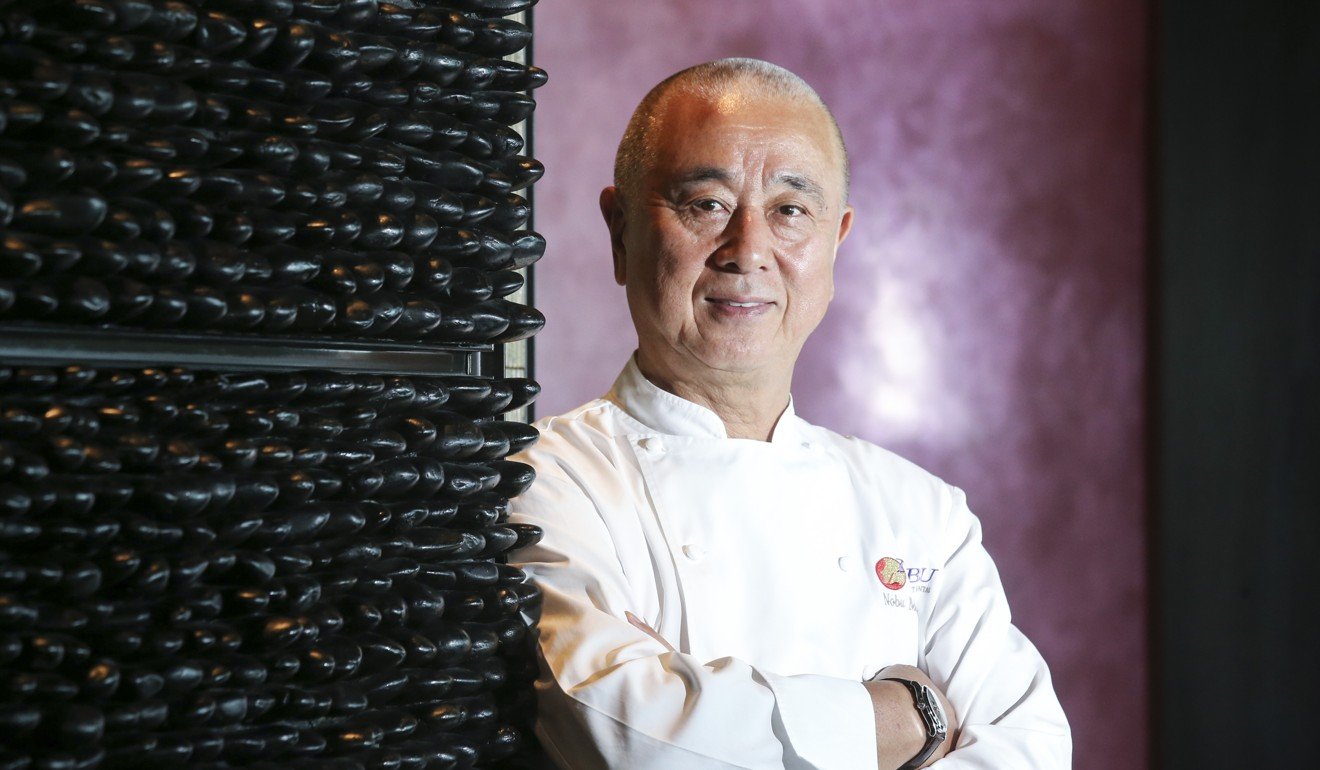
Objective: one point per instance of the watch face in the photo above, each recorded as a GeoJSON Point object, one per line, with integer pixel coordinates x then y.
{"type": "Point", "coordinates": [934, 710]}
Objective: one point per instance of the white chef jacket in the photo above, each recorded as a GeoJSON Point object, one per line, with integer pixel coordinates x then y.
{"type": "Point", "coordinates": [776, 577]}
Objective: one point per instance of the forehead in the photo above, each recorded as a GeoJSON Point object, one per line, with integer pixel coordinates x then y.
{"type": "Point", "coordinates": [736, 129]}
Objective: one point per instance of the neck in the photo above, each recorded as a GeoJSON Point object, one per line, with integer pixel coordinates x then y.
{"type": "Point", "coordinates": [749, 404]}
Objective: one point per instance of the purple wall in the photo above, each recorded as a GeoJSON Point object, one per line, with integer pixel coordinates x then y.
{"type": "Point", "coordinates": [989, 316]}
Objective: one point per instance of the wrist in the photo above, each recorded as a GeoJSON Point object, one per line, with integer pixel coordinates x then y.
{"type": "Point", "coordinates": [900, 733]}
{"type": "Point", "coordinates": [929, 718]}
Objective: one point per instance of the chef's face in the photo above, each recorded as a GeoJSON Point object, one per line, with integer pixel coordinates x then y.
{"type": "Point", "coordinates": [726, 248]}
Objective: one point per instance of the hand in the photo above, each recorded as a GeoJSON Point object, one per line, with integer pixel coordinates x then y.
{"type": "Point", "coordinates": [899, 731]}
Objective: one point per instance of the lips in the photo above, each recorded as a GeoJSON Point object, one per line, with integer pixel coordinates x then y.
{"type": "Point", "coordinates": [739, 308]}
{"type": "Point", "coordinates": [739, 302]}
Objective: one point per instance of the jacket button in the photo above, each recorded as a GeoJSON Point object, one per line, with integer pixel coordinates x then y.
{"type": "Point", "coordinates": [652, 446]}
{"type": "Point", "coordinates": [846, 563]}
{"type": "Point", "coordinates": [694, 552]}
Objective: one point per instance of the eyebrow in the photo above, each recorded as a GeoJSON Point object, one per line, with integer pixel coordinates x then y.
{"type": "Point", "coordinates": [801, 184]}
{"type": "Point", "coordinates": [716, 174]}
{"type": "Point", "coordinates": [704, 174]}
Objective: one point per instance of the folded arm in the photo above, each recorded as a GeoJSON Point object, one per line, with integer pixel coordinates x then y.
{"type": "Point", "coordinates": [616, 694]}
{"type": "Point", "coordinates": [995, 678]}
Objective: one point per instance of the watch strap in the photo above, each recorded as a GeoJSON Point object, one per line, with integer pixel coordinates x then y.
{"type": "Point", "coordinates": [932, 716]}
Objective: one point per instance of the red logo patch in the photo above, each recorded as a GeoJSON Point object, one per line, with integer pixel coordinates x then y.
{"type": "Point", "coordinates": [891, 573]}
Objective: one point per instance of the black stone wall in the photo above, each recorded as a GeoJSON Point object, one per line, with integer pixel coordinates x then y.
{"type": "Point", "coordinates": [259, 260]}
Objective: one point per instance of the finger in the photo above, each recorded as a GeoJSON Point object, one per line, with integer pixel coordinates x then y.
{"type": "Point", "coordinates": [651, 632]}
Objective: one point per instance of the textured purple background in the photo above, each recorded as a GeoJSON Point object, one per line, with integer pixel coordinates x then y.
{"type": "Point", "coordinates": [988, 321]}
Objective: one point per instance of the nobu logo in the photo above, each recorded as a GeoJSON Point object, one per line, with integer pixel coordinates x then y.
{"type": "Point", "coordinates": [893, 575]}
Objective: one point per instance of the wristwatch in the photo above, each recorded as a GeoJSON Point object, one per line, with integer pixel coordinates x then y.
{"type": "Point", "coordinates": [932, 716]}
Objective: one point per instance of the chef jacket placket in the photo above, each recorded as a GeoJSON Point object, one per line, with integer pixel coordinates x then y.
{"type": "Point", "coordinates": [784, 508]}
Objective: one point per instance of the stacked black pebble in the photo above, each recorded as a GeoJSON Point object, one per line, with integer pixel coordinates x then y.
{"type": "Point", "coordinates": [242, 569]}
{"type": "Point", "coordinates": [239, 570]}
{"type": "Point", "coordinates": [300, 167]}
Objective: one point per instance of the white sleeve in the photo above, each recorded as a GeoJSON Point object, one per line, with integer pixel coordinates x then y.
{"type": "Point", "coordinates": [613, 696]}
{"type": "Point", "coordinates": [990, 672]}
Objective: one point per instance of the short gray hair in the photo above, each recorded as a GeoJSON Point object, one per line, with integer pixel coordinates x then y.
{"type": "Point", "coordinates": [711, 80]}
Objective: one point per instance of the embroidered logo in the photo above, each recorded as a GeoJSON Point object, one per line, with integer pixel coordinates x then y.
{"type": "Point", "coordinates": [891, 573]}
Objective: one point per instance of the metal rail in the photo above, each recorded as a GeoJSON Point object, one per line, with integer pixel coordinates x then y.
{"type": "Point", "coordinates": [30, 343]}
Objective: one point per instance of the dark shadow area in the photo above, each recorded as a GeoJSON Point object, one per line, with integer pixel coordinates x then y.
{"type": "Point", "coordinates": [1236, 417]}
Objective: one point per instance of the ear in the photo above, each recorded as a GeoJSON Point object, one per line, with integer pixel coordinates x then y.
{"type": "Point", "coordinates": [845, 226]}
{"type": "Point", "coordinates": [611, 208]}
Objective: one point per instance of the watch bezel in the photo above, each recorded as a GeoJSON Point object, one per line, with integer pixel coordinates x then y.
{"type": "Point", "coordinates": [932, 712]}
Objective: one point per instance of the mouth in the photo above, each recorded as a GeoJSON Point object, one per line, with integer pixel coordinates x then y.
{"type": "Point", "coordinates": [743, 303]}
{"type": "Point", "coordinates": [739, 307]}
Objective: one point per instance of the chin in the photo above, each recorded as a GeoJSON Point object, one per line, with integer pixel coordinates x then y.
{"type": "Point", "coordinates": [736, 359]}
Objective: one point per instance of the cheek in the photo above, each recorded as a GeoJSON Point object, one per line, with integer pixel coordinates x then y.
{"type": "Point", "coordinates": [668, 290]}
{"type": "Point", "coordinates": [813, 288]}
{"type": "Point", "coordinates": [677, 273]}
{"type": "Point", "coordinates": [813, 271]}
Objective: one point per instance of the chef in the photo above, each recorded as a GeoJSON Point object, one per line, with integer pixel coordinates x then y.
{"type": "Point", "coordinates": [726, 585]}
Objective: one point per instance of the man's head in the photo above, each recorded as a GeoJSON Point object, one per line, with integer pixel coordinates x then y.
{"type": "Point", "coordinates": [712, 80]}
{"type": "Point", "coordinates": [729, 203]}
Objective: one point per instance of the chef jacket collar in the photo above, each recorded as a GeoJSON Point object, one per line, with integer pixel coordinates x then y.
{"type": "Point", "coordinates": [664, 412]}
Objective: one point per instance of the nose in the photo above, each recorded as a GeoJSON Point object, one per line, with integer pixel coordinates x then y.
{"type": "Point", "coordinates": [748, 243]}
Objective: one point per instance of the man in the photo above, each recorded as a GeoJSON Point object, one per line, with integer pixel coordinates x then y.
{"type": "Point", "coordinates": [725, 584]}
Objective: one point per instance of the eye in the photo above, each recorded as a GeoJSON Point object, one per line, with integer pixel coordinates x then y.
{"type": "Point", "coordinates": [792, 210]}
{"type": "Point", "coordinates": [707, 204]}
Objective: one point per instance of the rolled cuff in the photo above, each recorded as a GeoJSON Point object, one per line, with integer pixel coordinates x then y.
{"type": "Point", "coordinates": [827, 723]}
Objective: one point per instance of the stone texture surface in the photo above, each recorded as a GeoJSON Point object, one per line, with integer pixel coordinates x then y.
{"type": "Point", "coordinates": [243, 567]}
